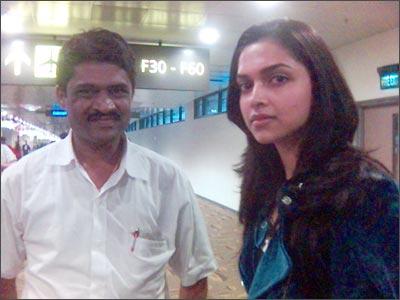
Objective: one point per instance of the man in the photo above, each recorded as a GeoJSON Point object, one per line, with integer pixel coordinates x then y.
{"type": "Point", "coordinates": [94, 215]}
{"type": "Point", "coordinates": [26, 148]}
{"type": "Point", "coordinates": [7, 155]}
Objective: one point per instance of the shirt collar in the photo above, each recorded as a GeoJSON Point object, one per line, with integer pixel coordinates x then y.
{"type": "Point", "coordinates": [62, 153]}
{"type": "Point", "coordinates": [134, 161]}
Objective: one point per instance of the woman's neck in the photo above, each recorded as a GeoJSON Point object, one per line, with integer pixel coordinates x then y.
{"type": "Point", "coordinates": [288, 153]}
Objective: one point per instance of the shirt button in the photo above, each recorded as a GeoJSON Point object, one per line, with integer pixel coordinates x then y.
{"type": "Point", "coordinates": [286, 200]}
{"type": "Point", "coordinates": [264, 225]}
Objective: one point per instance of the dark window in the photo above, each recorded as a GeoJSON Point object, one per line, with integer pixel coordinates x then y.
{"type": "Point", "coordinates": [167, 116]}
{"type": "Point", "coordinates": [224, 98]}
{"type": "Point", "coordinates": [175, 115]}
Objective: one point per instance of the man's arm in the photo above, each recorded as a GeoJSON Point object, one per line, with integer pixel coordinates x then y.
{"type": "Point", "coordinates": [8, 289]}
{"type": "Point", "coordinates": [6, 165]}
{"type": "Point", "coordinates": [195, 291]}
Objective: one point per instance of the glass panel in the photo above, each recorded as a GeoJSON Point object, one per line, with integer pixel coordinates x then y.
{"type": "Point", "coordinates": [154, 120]}
{"type": "Point", "coordinates": [160, 118]}
{"type": "Point", "coordinates": [183, 113]}
{"type": "Point", "coordinates": [175, 115]}
{"type": "Point", "coordinates": [167, 116]}
{"type": "Point", "coordinates": [198, 108]}
{"type": "Point", "coordinates": [224, 98]}
{"type": "Point", "coordinates": [212, 104]}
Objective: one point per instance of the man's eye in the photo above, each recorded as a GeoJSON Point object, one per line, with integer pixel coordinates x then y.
{"type": "Point", "coordinates": [118, 91]}
{"type": "Point", "coordinates": [84, 93]}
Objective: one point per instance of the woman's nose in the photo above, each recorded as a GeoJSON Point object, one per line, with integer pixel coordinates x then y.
{"type": "Point", "coordinates": [259, 95]}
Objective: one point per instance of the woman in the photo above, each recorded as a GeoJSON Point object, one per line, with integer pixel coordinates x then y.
{"type": "Point", "coordinates": [320, 217]}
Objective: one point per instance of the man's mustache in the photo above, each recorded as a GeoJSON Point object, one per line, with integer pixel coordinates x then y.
{"type": "Point", "coordinates": [98, 115]}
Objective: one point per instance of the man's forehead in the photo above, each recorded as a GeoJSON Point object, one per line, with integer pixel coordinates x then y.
{"type": "Point", "coordinates": [95, 65]}
{"type": "Point", "coordinates": [99, 73]}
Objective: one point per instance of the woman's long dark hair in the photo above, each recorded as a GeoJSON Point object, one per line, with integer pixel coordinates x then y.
{"type": "Point", "coordinates": [326, 154]}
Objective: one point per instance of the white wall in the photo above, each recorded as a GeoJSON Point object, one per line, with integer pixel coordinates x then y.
{"type": "Point", "coordinates": [359, 62]}
{"type": "Point", "coordinates": [207, 148]}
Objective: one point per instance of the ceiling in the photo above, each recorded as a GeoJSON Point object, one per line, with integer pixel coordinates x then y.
{"type": "Point", "coordinates": [178, 23]}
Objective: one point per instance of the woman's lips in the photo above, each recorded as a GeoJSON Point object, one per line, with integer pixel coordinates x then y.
{"type": "Point", "coordinates": [261, 120]}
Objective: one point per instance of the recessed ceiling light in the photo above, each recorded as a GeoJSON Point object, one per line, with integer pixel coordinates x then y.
{"type": "Point", "coordinates": [267, 3]}
{"type": "Point", "coordinates": [208, 35]}
{"type": "Point", "coordinates": [188, 52]}
{"type": "Point", "coordinates": [31, 107]}
{"type": "Point", "coordinates": [11, 23]}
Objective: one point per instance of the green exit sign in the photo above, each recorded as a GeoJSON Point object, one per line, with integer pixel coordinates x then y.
{"type": "Point", "coordinates": [390, 80]}
{"type": "Point", "coordinates": [389, 76]}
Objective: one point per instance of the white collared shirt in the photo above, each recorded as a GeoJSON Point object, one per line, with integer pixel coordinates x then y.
{"type": "Point", "coordinates": [74, 241]}
{"type": "Point", "coordinates": [6, 154]}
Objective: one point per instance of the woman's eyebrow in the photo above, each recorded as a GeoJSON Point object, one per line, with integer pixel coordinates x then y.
{"type": "Point", "coordinates": [266, 70]}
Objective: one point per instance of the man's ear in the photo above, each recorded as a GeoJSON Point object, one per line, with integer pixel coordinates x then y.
{"type": "Point", "coordinates": [61, 96]}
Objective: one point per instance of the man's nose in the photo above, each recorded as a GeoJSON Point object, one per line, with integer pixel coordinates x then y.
{"type": "Point", "coordinates": [103, 102]}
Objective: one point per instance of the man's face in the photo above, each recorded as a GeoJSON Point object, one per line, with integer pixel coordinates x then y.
{"type": "Point", "coordinates": [98, 99]}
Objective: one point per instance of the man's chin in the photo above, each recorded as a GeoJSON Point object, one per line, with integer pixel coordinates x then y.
{"type": "Point", "coordinates": [105, 137]}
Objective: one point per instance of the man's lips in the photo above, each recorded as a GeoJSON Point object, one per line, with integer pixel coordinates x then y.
{"type": "Point", "coordinates": [104, 117]}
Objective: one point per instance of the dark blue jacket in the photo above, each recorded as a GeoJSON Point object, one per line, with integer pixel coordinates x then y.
{"type": "Point", "coordinates": [364, 258]}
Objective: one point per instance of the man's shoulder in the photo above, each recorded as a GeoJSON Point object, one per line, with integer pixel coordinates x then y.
{"type": "Point", "coordinates": [35, 161]}
{"type": "Point", "coordinates": [150, 160]}
{"type": "Point", "coordinates": [150, 155]}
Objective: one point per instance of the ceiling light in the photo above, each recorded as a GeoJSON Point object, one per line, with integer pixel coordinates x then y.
{"type": "Point", "coordinates": [188, 52]}
{"type": "Point", "coordinates": [11, 23]}
{"type": "Point", "coordinates": [267, 3]}
{"type": "Point", "coordinates": [208, 35]}
{"type": "Point", "coordinates": [53, 13]}
{"type": "Point", "coordinates": [31, 107]}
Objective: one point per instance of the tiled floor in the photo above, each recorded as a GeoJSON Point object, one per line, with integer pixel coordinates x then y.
{"type": "Point", "coordinates": [225, 236]}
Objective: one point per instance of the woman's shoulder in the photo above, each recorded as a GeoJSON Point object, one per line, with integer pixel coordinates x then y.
{"type": "Point", "coordinates": [373, 199]}
{"type": "Point", "coordinates": [363, 177]}
{"type": "Point", "coordinates": [378, 184]}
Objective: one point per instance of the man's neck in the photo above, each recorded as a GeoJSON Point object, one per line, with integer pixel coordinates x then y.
{"type": "Point", "coordinates": [99, 161]}
{"type": "Point", "coordinates": [89, 153]}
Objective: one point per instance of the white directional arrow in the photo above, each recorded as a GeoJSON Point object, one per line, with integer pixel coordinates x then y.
{"type": "Point", "coordinates": [17, 56]}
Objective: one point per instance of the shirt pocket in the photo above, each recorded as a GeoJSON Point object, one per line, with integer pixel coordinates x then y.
{"type": "Point", "coordinates": [150, 251]}
{"type": "Point", "coordinates": [141, 272]}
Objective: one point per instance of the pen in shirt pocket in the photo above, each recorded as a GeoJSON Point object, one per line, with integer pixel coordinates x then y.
{"type": "Point", "coordinates": [135, 234]}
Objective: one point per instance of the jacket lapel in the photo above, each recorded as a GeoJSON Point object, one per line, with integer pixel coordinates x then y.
{"type": "Point", "coordinates": [274, 266]}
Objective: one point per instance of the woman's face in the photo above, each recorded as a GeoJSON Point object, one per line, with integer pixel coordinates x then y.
{"type": "Point", "coordinates": [275, 93]}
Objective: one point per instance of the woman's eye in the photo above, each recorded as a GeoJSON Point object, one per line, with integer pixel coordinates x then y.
{"type": "Point", "coordinates": [279, 79]}
{"type": "Point", "coordinates": [244, 86]}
